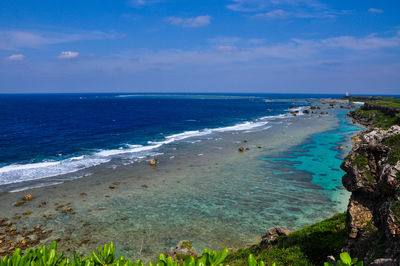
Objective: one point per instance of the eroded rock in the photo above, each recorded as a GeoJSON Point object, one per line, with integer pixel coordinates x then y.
{"type": "Point", "coordinates": [373, 213]}
{"type": "Point", "coordinates": [182, 250]}
{"type": "Point", "coordinates": [273, 233]}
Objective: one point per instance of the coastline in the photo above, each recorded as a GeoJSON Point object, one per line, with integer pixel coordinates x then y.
{"type": "Point", "coordinates": [138, 186]}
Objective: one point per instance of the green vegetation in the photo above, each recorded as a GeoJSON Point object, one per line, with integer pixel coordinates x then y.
{"type": "Point", "coordinates": [186, 244]}
{"type": "Point", "coordinates": [346, 260]}
{"type": "Point", "coordinates": [392, 102]}
{"type": "Point", "coordinates": [360, 161]}
{"type": "Point", "coordinates": [396, 211]}
{"type": "Point", "coordinates": [42, 256]}
{"type": "Point", "coordinates": [378, 118]}
{"type": "Point", "coordinates": [377, 100]}
{"type": "Point", "coordinates": [308, 246]}
{"type": "Point", "coordinates": [394, 143]}
{"type": "Point", "coordinates": [380, 112]}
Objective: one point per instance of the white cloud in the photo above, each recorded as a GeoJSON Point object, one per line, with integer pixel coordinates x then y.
{"type": "Point", "coordinates": [375, 10]}
{"type": "Point", "coordinates": [279, 9]}
{"type": "Point", "coordinates": [370, 42]}
{"type": "Point", "coordinates": [190, 22]}
{"type": "Point", "coordinates": [278, 13]}
{"type": "Point", "coordinates": [15, 57]}
{"type": "Point", "coordinates": [227, 48]}
{"type": "Point", "coordinates": [139, 3]}
{"type": "Point", "coordinates": [301, 52]}
{"type": "Point", "coordinates": [260, 5]}
{"type": "Point", "coordinates": [67, 55]}
{"type": "Point", "coordinates": [16, 39]}
{"type": "Point", "coordinates": [224, 40]}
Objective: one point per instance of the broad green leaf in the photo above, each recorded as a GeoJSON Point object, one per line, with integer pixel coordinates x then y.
{"type": "Point", "coordinates": [251, 260]}
{"type": "Point", "coordinates": [345, 257]}
{"type": "Point", "coordinates": [221, 256]}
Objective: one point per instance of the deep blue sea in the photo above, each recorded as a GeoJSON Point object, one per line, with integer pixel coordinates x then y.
{"type": "Point", "coordinates": [49, 134]}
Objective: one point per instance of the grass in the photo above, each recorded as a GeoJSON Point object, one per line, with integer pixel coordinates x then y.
{"type": "Point", "coordinates": [388, 102]}
{"type": "Point", "coordinates": [360, 161]}
{"type": "Point", "coordinates": [394, 154]}
{"type": "Point", "coordinates": [392, 102]}
{"type": "Point", "coordinates": [396, 211]}
{"type": "Point", "coordinates": [186, 244]}
{"type": "Point", "coordinates": [385, 111]}
{"type": "Point", "coordinates": [378, 118]}
{"type": "Point", "coordinates": [308, 246]}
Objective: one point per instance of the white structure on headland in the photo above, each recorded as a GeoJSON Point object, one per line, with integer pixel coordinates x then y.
{"type": "Point", "coordinates": [347, 93]}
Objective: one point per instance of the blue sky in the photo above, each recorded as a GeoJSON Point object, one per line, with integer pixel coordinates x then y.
{"type": "Point", "coordinates": [314, 46]}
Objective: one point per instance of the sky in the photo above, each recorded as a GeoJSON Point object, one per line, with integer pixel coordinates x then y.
{"type": "Point", "coordinates": [243, 46]}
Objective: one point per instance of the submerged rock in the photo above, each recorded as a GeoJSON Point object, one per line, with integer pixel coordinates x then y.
{"type": "Point", "coordinates": [28, 197]}
{"type": "Point", "coordinates": [153, 162]}
{"type": "Point", "coordinates": [19, 203]}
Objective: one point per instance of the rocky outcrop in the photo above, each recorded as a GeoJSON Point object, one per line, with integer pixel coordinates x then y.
{"type": "Point", "coordinates": [273, 233]}
{"type": "Point", "coordinates": [182, 250]}
{"type": "Point", "coordinates": [373, 214]}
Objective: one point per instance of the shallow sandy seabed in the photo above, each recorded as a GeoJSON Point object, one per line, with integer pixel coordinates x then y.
{"type": "Point", "coordinates": [202, 190]}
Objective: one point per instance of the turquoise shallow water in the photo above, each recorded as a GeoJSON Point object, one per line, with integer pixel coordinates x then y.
{"type": "Point", "coordinates": [320, 155]}
{"type": "Point", "coordinates": [203, 190]}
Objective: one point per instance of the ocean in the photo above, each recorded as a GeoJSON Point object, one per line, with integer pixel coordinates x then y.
{"type": "Point", "coordinates": [62, 146]}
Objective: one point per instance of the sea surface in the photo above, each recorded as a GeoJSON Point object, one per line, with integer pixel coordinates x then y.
{"type": "Point", "coordinates": [73, 147]}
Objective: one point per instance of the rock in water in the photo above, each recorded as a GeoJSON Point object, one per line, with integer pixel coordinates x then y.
{"type": "Point", "coordinates": [153, 162]}
{"type": "Point", "coordinates": [28, 197]}
{"type": "Point", "coordinates": [241, 149]}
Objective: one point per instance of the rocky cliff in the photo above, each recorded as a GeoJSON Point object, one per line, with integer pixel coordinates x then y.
{"type": "Point", "coordinates": [373, 215]}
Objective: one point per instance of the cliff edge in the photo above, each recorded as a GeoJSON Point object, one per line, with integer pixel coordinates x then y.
{"type": "Point", "coordinates": [373, 177]}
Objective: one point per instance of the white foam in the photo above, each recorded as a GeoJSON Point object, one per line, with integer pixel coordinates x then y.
{"type": "Point", "coordinates": [21, 167]}
{"type": "Point", "coordinates": [36, 186]}
{"type": "Point", "coordinates": [269, 117]}
{"type": "Point", "coordinates": [130, 149]}
{"type": "Point", "coordinates": [300, 109]}
{"type": "Point", "coordinates": [17, 173]}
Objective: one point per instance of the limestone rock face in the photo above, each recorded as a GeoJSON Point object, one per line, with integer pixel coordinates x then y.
{"type": "Point", "coordinates": [373, 213]}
